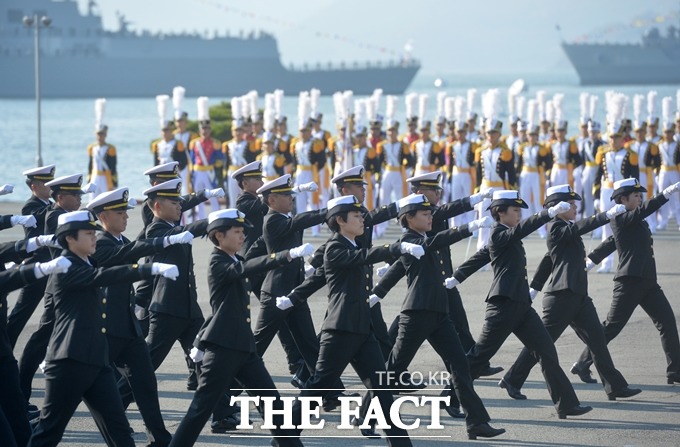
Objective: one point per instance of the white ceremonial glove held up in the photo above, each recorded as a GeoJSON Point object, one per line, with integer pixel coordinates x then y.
{"type": "Point", "coordinates": [533, 293]}
{"type": "Point", "coordinates": [24, 221]}
{"type": "Point", "coordinates": [560, 208]}
{"type": "Point", "coordinates": [476, 198]}
{"type": "Point", "coordinates": [589, 265]}
{"type": "Point", "coordinates": [671, 190]}
{"type": "Point", "coordinates": [308, 187]}
{"type": "Point", "coordinates": [283, 302]}
{"type": "Point", "coordinates": [6, 189]}
{"type": "Point", "coordinates": [615, 211]}
{"type": "Point", "coordinates": [217, 193]}
{"type": "Point", "coordinates": [185, 237]}
{"type": "Point", "coordinates": [380, 271]}
{"type": "Point", "coordinates": [90, 187]}
{"type": "Point", "coordinates": [373, 299]}
{"type": "Point", "coordinates": [451, 282]}
{"type": "Point", "coordinates": [309, 270]}
{"type": "Point", "coordinates": [140, 312]}
{"type": "Point", "coordinates": [301, 251]}
{"type": "Point", "coordinates": [484, 222]}
{"type": "Point", "coordinates": [414, 250]}
{"type": "Point", "coordinates": [57, 265]}
{"type": "Point", "coordinates": [196, 355]}
{"type": "Point", "coordinates": [169, 271]}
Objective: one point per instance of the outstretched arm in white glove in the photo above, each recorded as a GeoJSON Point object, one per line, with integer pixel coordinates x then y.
{"type": "Point", "coordinates": [414, 250]}
{"type": "Point", "coordinates": [301, 251]}
{"type": "Point", "coordinates": [560, 208]}
{"type": "Point", "coordinates": [306, 187]}
{"type": "Point", "coordinates": [484, 222]}
{"type": "Point", "coordinates": [24, 221]}
{"type": "Point", "coordinates": [217, 193]}
{"type": "Point", "coordinates": [185, 237]}
{"type": "Point", "coordinates": [380, 271]}
{"type": "Point", "coordinates": [671, 190]}
{"type": "Point", "coordinates": [169, 271]}
{"type": "Point", "coordinates": [6, 189]}
{"type": "Point", "coordinates": [615, 211]}
{"type": "Point", "coordinates": [476, 198]}
{"type": "Point", "coordinates": [57, 265]}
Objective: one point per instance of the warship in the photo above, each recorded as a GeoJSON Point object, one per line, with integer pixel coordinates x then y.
{"type": "Point", "coordinates": [81, 59]}
{"type": "Point", "coordinates": [654, 60]}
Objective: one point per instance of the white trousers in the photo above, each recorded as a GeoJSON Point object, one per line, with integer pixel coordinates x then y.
{"type": "Point", "coordinates": [530, 192]}
{"type": "Point", "coordinates": [461, 186]}
{"type": "Point", "coordinates": [605, 204]}
{"type": "Point", "coordinates": [666, 179]}
{"type": "Point", "coordinates": [202, 180]}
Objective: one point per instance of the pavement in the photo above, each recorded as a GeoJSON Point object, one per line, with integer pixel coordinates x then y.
{"type": "Point", "coordinates": [651, 418]}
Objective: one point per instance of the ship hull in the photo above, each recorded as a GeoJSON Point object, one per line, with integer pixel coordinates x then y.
{"type": "Point", "coordinates": [611, 64]}
{"type": "Point", "coordinates": [68, 77]}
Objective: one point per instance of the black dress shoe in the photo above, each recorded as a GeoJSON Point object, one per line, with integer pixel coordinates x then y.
{"type": "Point", "coordinates": [296, 382]}
{"type": "Point", "coordinates": [483, 431]}
{"type": "Point", "coordinates": [490, 371]}
{"type": "Point", "coordinates": [224, 425]}
{"type": "Point", "coordinates": [583, 373]}
{"type": "Point", "coordinates": [369, 433]}
{"type": "Point", "coordinates": [330, 403]}
{"type": "Point", "coordinates": [578, 410]}
{"type": "Point", "coordinates": [452, 410]}
{"type": "Point", "coordinates": [673, 378]}
{"type": "Point", "coordinates": [513, 392]}
{"type": "Point", "coordinates": [626, 392]}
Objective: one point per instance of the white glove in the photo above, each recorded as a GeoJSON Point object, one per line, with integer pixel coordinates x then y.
{"type": "Point", "coordinates": [414, 250]}
{"type": "Point", "coordinates": [310, 187]}
{"type": "Point", "coordinates": [373, 299]}
{"type": "Point", "coordinates": [196, 355]}
{"type": "Point", "coordinates": [671, 190]}
{"type": "Point", "coordinates": [132, 202]}
{"type": "Point", "coordinates": [589, 264]}
{"type": "Point", "coordinates": [533, 293]}
{"type": "Point", "coordinates": [185, 237]}
{"type": "Point", "coordinates": [214, 193]}
{"type": "Point", "coordinates": [57, 265]}
{"type": "Point", "coordinates": [140, 312]}
{"type": "Point", "coordinates": [309, 270]}
{"type": "Point", "coordinates": [24, 221]}
{"type": "Point", "coordinates": [476, 198]}
{"type": "Point", "coordinates": [165, 270]}
{"type": "Point", "coordinates": [90, 187]}
{"type": "Point", "coordinates": [380, 271]}
{"type": "Point", "coordinates": [6, 189]}
{"type": "Point", "coordinates": [615, 211]}
{"type": "Point", "coordinates": [301, 251]}
{"type": "Point", "coordinates": [451, 282]}
{"type": "Point", "coordinates": [560, 208]}
{"type": "Point", "coordinates": [48, 240]}
{"type": "Point", "coordinates": [283, 302]}
{"type": "Point", "coordinates": [484, 222]}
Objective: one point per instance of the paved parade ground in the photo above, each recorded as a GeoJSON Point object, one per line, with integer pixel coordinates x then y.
{"type": "Point", "coordinates": [651, 418]}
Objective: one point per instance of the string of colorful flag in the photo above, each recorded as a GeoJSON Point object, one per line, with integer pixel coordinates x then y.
{"type": "Point", "coordinates": [635, 23]}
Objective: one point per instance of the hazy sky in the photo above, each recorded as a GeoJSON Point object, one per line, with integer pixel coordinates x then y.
{"type": "Point", "coordinates": [447, 36]}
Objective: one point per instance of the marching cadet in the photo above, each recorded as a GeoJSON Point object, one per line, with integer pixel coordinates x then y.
{"type": "Point", "coordinates": [429, 155]}
{"type": "Point", "coordinates": [565, 157]}
{"type": "Point", "coordinates": [394, 156]}
{"type": "Point", "coordinates": [346, 334]}
{"type": "Point", "coordinates": [227, 339]}
{"type": "Point", "coordinates": [411, 135]}
{"type": "Point", "coordinates": [318, 133]}
{"type": "Point", "coordinates": [649, 161]}
{"type": "Point", "coordinates": [425, 311]}
{"type": "Point", "coordinates": [308, 158]}
{"type": "Point", "coordinates": [175, 313]}
{"type": "Point", "coordinates": [508, 308]}
{"type": "Point", "coordinates": [37, 205]}
{"type": "Point", "coordinates": [14, 427]}
{"type": "Point", "coordinates": [591, 147]}
{"type": "Point", "coordinates": [127, 349]}
{"type": "Point", "coordinates": [274, 161]}
{"type": "Point", "coordinates": [615, 162]}
{"type": "Point", "coordinates": [366, 156]}
{"type": "Point", "coordinates": [532, 160]}
{"type": "Point", "coordinates": [494, 162]}
{"type": "Point", "coordinates": [462, 160]}
{"type": "Point", "coordinates": [168, 148]}
{"type": "Point", "coordinates": [207, 158]}
{"type": "Point", "coordinates": [635, 281]}
{"type": "Point", "coordinates": [184, 136]}
{"type": "Point", "coordinates": [284, 142]}
{"type": "Point", "coordinates": [652, 119]}
{"type": "Point", "coordinates": [471, 117]}
{"type": "Point", "coordinates": [670, 159]}
{"type": "Point", "coordinates": [76, 370]}
{"type": "Point", "coordinates": [566, 301]}
{"type": "Point", "coordinates": [67, 195]}
{"type": "Point", "coordinates": [102, 158]}
{"type": "Point", "coordinates": [580, 141]}
{"type": "Point", "coordinates": [238, 152]}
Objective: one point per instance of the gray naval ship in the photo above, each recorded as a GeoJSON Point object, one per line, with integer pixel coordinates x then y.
{"type": "Point", "coordinates": [79, 58]}
{"type": "Point", "coordinates": [655, 60]}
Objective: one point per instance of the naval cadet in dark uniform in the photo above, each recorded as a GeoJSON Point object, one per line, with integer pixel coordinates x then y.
{"type": "Point", "coordinates": [566, 301]}
{"type": "Point", "coordinates": [77, 362]}
{"type": "Point", "coordinates": [227, 338]}
{"type": "Point", "coordinates": [424, 313]}
{"type": "Point", "coordinates": [508, 308]}
{"type": "Point", "coordinates": [128, 350]}
{"type": "Point", "coordinates": [635, 281]}
{"type": "Point", "coordinates": [37, 205]}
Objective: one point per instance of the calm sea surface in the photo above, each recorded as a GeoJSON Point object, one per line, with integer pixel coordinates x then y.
{"type": "Point", "coordinates": [68, 124]}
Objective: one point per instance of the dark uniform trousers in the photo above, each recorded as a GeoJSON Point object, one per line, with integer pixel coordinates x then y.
{"type": "Point", "coordinates": [566, 308]}
{"type": "Point", "coordinates": [504, 317]}
{"type": "Point", "coordinates": [66, 381]}
{"type": "Point", "coordinates": [362, 351]}
{"type": "Point", "coordinates": [219, 368]}
{"type": "Point", "coordinates": [35, 349]}
{"type": "Point", "coordinates": [630, 292]}
{"type": "Point", "coordinates": [14, 427]}
{"type": "Point", "coordinates": [27, 302]}
{"type": "Point", "coordinates": [416, 326]}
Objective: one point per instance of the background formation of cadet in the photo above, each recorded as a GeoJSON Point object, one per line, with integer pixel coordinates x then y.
{"type": "Point", "coordinates": [465, 179]}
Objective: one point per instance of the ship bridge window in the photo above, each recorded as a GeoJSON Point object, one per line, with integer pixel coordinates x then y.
{"type": "Point", "coordinates": [15, 16]}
